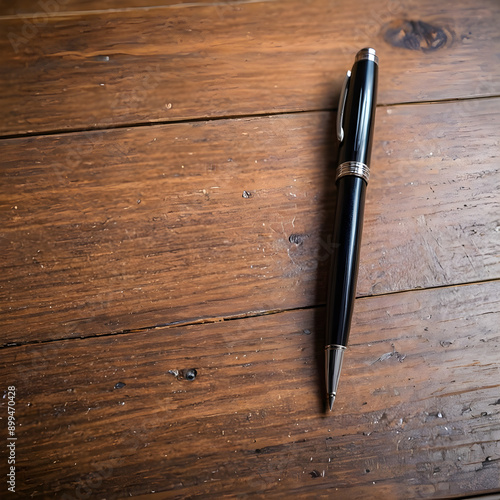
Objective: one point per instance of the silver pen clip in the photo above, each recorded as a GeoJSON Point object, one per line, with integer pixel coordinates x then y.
{"type": "Point", "coordinates": [340, 111]}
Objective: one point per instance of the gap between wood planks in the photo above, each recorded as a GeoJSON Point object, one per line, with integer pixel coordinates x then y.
{"type": "Point", "coordinates": [234, 317]}
{"type": "Point", "coordinates": [21, 135]}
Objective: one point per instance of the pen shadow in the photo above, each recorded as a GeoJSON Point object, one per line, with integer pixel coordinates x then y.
{"type": "Point", "coordinates": [326, 207]}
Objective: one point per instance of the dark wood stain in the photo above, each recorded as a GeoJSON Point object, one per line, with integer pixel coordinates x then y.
{"type": "Point", "coordinates": [417, 35]}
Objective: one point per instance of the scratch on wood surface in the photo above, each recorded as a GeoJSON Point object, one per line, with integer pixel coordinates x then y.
{"type": "Point", "coordinates": [400, 357]}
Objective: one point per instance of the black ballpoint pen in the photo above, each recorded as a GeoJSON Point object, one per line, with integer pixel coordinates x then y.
{"type": "Point", "coordinates": [355, 120]}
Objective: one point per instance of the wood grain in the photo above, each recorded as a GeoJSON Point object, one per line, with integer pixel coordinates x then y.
{"type": "Point", "coordinates": [166, 200]}
{"type": "Point", "coordinates": [415, 416]}
{"type": "Point", "coordinates": [29, 8]}
{"type": "Point", "coordinates": [126, 229]}
{"type": "Point", "coordinates": [109, 69]}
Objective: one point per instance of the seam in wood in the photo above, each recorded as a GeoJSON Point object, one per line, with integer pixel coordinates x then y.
{"type": "Point", "coordinates": [436, 287]}
{"type": "Point", "coordinates": [438, 101]}
{"type": "Point", "coordinates": [174, 324]}
{"type": "Point", "coordinates": [119, 126]}
{"type": "Point", "coordinates": [220, 319]}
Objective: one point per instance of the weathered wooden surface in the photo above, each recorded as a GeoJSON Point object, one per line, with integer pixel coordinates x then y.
{"type": "Point", "coordinates": [109, 69]}
{"type": "Point", "coordinates": [204, 245]}
{"type": "Point", "coordinates": [126, 229]}
{"type": "Point", "coordinates": [31, 9]}
{"type": "Point", "coordinates": [415, 417]}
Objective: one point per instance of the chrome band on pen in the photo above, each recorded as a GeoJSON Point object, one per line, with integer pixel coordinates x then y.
{"type": "Point", "coordinates": [366, 54]}
{"type": "Point", "coordinates": [334, 346]}
{"type": "Point", "coordinates": [353, 168]}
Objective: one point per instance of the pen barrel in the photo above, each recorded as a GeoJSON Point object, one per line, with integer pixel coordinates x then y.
{"type": "Point", "coordinates": [346, 245]}
{"type": "Point", "coordinates": [359, 113]}
{"type": "Point", "coordinates": [352, 178]}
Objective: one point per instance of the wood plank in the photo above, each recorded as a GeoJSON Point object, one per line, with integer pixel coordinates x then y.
{"type": "Point", "coordinates": [125, 229]}
{"type": "Point", "coordinates": [417, 413]}
{"type": "Point", "coordinates": [432, 197]}
{"type": "Point", "coordinates": [30, 8]}
{"type": "Point", "coordinates": [109, 69]}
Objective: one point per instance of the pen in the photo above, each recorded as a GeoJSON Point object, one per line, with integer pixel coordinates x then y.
{"type": "Point", "coordinates": [355, 120]}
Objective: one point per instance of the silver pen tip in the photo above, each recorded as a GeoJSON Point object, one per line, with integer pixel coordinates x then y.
{"type": "Point", "coordinates": [331, 400]}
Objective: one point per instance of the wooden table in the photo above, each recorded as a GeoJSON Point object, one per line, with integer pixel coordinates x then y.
{"type": "Point", "coordinates": [166, 203]}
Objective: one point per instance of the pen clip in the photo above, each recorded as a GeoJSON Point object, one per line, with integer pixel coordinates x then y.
{"type": "Point", "coordinates": [340, 111]}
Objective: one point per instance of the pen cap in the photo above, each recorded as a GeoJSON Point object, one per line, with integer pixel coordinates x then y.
{"type": "Point", "coordinates": [359, 109]}
{"type": "Point", "coordinates": [368, 53]}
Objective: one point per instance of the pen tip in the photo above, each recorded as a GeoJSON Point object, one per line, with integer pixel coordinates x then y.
{"type": "Point", "coordinates": [331, 400]}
